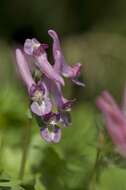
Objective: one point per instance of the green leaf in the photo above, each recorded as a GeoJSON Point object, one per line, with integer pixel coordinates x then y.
{"type": "Point", "coordinates": [113, 179]}
{"type": "Point", "coordinates": [38, 184]}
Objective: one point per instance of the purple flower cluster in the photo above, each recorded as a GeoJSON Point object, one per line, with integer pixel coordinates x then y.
{"type": "Point", "coordinates": [47, 101]}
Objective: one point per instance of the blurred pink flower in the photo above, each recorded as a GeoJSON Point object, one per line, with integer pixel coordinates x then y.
{"type": "Point", "coordinates": [115, 120]}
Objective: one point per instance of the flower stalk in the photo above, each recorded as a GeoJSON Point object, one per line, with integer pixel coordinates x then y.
{"type": "Point", "coordinates": [94, 177]}
{"type": "Point", "coordinates": [95, 172]}
{"type": "Point", "coordinates": [25, 147]}
{"type": "Point", "coordinates": [2, 138]}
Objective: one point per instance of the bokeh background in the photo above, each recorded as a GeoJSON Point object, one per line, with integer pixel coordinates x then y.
{"type": "Point", "coordinates": [92, 32]}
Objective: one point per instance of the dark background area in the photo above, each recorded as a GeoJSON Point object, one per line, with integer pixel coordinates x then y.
{"type": "Point", "coordinates": [20, 19]}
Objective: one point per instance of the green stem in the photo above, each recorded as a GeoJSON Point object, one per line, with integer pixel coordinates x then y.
{"type": "Point", "coordinates": [1, 148]}
{"type": "Point", "coordinates": [93, 177]}
{"type": "Point", "coordinates": [26, 142]}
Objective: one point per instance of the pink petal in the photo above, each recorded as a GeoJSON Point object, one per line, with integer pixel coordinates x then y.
{"type": "Point", "coordinates": [51, 136]}
{"type": "Point", "coordinates": [30, 45]}
{"type": "Point", "coordinates": [47, 69]}
{"type": "Point", "coordinates": [60, 65]}
{"type": "Point", "coordinates": [42, 109]}
{"type": "Point", "coordinates": [24, 69]}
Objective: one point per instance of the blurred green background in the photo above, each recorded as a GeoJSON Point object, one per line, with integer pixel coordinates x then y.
{"type": "Point", "coordinates": [92, 32]}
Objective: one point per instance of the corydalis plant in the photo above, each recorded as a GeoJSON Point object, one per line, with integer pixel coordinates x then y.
{"type": "Point", "coordinates": [46, 92]}
{"type": "Point", "coordinates": [115, 120]}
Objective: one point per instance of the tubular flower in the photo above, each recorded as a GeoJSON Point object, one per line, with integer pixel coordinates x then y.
{"type": "Point", "coordinates": [115, 120]}
{"type": "Point", "coordinates": [60, 63]}
{"type": "Point", "coordinates": [51, 132]}
{"type": "Point", "coordinates": [34, 48]}
{"type": "Point", "coordinates": [24, 69]}
{"type": "Point", "coordinates": [63, 105]}
{"type": "Point", "coordinates": [41, 103]}
{"type": "Point", "coordinates": [48, 104]}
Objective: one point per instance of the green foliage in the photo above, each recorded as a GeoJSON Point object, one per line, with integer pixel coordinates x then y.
{"type": "Point", "coordinates": [113, 179]}
{"type": "Point", "coordinates": [68, 165]}
{"type": "Point", "coordinates": [63, 166]}
{"type": "Point", "coordinates": [103, 57]}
